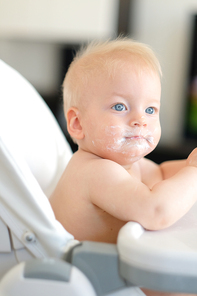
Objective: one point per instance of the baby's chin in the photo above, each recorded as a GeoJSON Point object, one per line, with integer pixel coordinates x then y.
{"type": "Point", "coordinates": [125, 158]}
{"type": "Point", "coordinates": [137, 148]}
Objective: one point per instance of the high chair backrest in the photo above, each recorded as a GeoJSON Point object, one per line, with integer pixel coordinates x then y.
{"type": "Point", "coordinates": [25, 209]}
{"type": "Point", "coordinates": [33, 155]}
{"type": "Point", "coordinates": [30, 128]}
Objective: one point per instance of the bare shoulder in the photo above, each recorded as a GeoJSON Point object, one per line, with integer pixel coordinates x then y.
{"type": "Point", "coordinates": [93, 167]}
{"type": "Point", "coordinates": [150, 172]}
{"type": "Point", "coordinates": [86, 171]}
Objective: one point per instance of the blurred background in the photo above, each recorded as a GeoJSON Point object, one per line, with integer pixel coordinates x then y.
{"type": "Point", "coordinates": [39, 37]}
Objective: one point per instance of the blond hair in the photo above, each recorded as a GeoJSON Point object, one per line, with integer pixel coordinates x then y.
{"type": "Point", "coordinates": [104, 57]}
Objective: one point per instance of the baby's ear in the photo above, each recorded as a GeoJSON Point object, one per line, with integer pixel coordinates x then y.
{"type": "Point", "coordinates": [73, 124]}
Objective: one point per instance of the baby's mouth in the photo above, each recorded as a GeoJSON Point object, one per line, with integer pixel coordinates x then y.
{"type": "Point", "coordinates": [140, 138]}
{"type": "Point", "coordinates": [135, 138]}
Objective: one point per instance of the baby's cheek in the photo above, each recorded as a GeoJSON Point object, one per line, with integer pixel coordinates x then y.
{"type": "Point", "coordinates": [157, 134]}
{"type": "Point", "coordinates": [113, 137]}
{"type": "Point", "coordinates": [113, 130]}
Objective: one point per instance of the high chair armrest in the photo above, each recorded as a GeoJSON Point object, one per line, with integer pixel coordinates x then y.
{"type": "Point", "coordinates": [100, 263]}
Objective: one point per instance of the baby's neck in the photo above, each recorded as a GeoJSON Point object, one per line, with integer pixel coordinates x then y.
{"type": "Point", "coordinates": [133, 169]}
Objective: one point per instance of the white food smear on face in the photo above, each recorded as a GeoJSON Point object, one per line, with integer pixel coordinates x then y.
{"type": "Point", "coordinates": [126, 139]}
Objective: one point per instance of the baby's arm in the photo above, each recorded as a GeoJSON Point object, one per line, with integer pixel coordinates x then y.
{"type": "Point", "coordinates": [128, 199]}
{"type": "Point", "coordinates": [170, 168]}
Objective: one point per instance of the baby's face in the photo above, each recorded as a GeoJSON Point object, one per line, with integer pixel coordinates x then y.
{"type": "Point", "coordinates": [121, 122]}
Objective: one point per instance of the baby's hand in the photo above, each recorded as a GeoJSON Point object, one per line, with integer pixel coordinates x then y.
{"type": "Point", "coordinates": [192, 158]}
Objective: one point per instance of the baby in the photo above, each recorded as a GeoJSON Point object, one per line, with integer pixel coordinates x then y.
{"type": "Point", "coordinates": [111, 101]}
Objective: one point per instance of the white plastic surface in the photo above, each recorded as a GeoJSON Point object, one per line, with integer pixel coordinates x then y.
{"type": "Point", "coordinates": [14, 284]}
{"type": "Point", "coordinates": [5, 243]}
{"type": "Point", "coordinates": [172, 250]}
{"type": "Point", "coordinates": [25, 209]}
{"type": "Point", "coordinates": [29, 127]}
{"type": "Point", "coordinates": [33, 155]}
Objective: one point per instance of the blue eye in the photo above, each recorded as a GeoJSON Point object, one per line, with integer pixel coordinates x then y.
{"type": "Point", "coordinates": [150, 110]}
{"type": "Point", "coordinates": [119, 107]}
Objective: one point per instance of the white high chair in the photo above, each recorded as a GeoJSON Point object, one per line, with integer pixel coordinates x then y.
{"type": "Point", "coordinates": [33, 156]}
{"type": "Point", "coordinates": [37, 255]}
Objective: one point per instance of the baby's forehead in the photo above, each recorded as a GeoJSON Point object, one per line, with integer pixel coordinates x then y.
{"type": "Point", "coordinates": [105, 67]}
{"type": "Point", "coordinates": [110, 62]}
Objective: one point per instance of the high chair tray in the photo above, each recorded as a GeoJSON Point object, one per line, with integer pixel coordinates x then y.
{"type": "Point", "coordinates": [161, 260]}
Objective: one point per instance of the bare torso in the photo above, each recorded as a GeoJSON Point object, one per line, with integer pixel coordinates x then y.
{"type": "Point", "coordinates": [71, 201]}
{"type": "Point", "coordinates": [73, 208]}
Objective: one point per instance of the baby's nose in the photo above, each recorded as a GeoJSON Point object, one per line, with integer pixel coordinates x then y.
{"type": "Point", "coordinates": [138, 121]}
